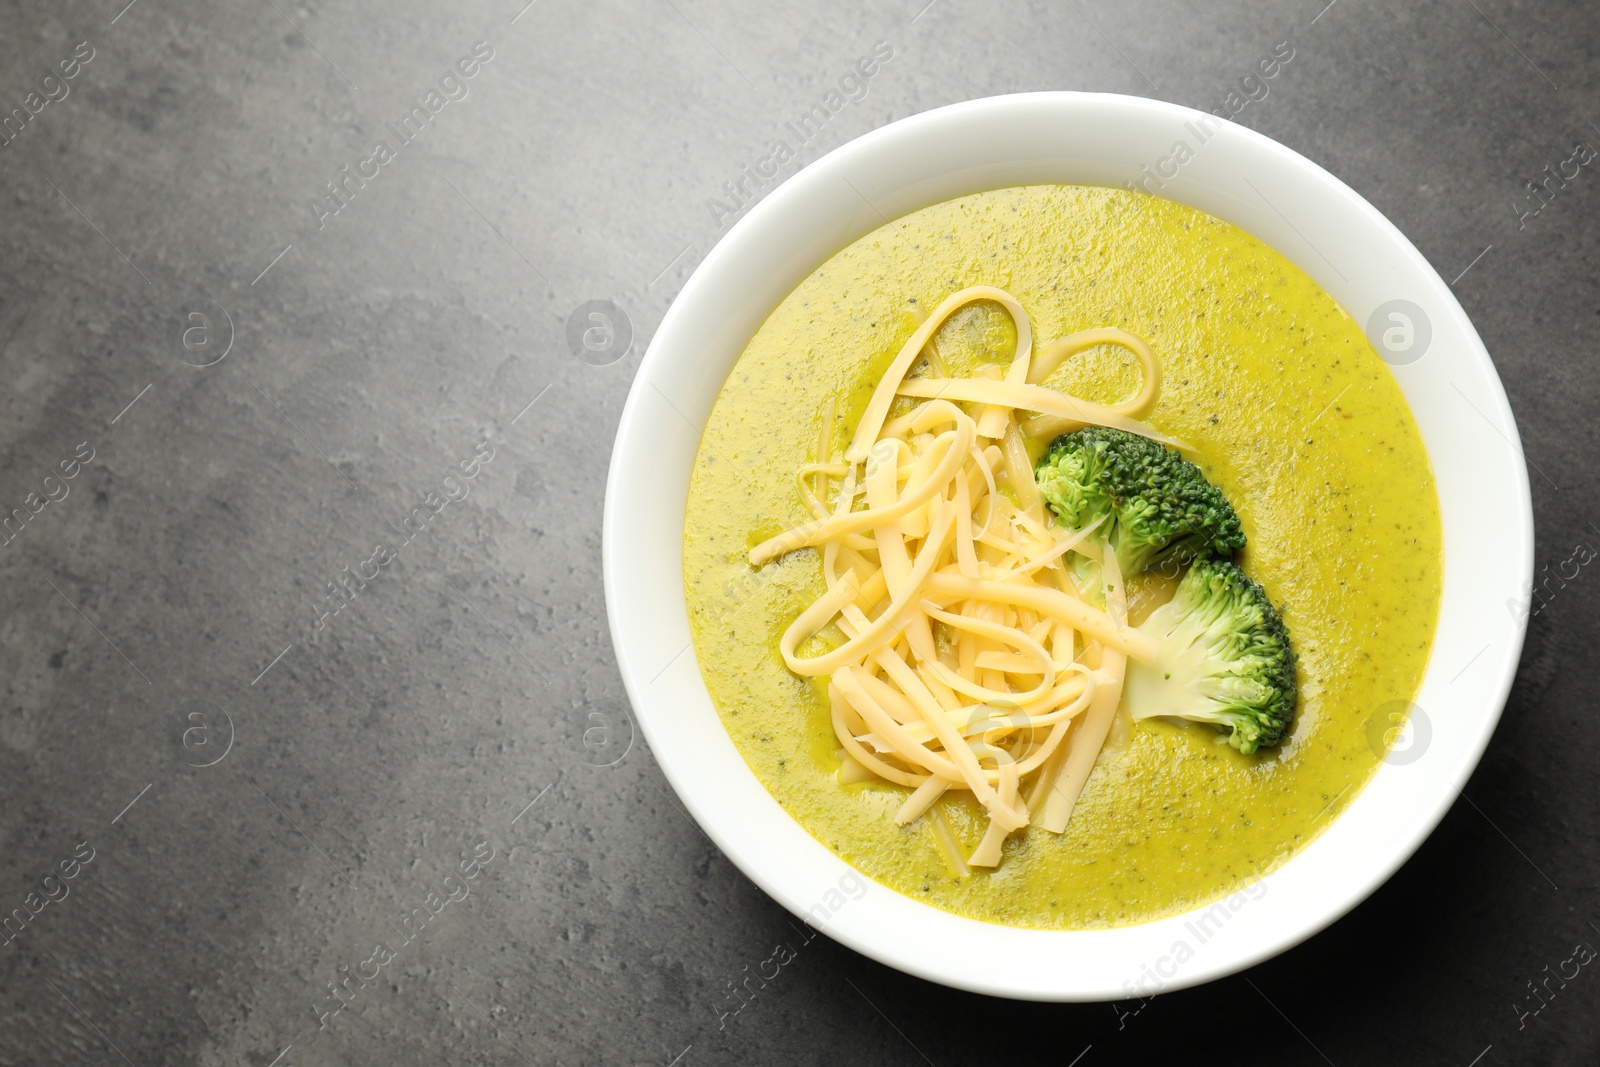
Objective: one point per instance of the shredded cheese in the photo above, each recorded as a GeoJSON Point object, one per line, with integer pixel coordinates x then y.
{"type": "Point", "coordinates": [969, 662]}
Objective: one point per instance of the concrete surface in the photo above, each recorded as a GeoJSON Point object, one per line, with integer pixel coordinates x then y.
{"type": "Point", "coordinates": [250, 797]}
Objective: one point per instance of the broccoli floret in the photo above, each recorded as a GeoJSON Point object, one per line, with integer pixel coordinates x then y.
{"type": "Point", "coordinates": [1224, 657]}
{"type": "Point", "coordinates": [1157, 505]}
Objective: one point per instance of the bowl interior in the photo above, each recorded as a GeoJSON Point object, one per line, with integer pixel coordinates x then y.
{"type": "Point", "coordinates": [1320, 224]}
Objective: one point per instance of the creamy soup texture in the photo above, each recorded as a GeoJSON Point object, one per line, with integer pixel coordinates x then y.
{"type": "Point", "coordinates": [1291, 414]}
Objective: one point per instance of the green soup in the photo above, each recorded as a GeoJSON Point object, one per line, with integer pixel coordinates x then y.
{"type": "Point", "coordinates": [1292, 415]}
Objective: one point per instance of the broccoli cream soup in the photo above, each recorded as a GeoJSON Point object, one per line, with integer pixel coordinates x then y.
{"type": "Point", "coordinates": [1038, 732]}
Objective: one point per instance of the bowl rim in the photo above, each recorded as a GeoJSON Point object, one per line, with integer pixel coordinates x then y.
{"type": "Point", "coordinates": [1104, 139]}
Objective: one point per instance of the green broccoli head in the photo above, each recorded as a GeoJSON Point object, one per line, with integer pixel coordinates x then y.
{"type": "Point", "coordinates": [1224, 658]}
{"type": "Point", "coordinates": [1157, 505]}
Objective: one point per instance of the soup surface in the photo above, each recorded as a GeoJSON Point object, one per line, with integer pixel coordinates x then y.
{"type": "Point", "coordinates": [1291, 414]}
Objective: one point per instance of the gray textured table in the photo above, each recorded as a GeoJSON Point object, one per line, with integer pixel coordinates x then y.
{"type": "Point", "coordinates": [258, 344]}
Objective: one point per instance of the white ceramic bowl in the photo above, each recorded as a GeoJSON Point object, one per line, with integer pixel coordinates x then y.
{"type": "Point", "coordinates": [1331, 233]}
